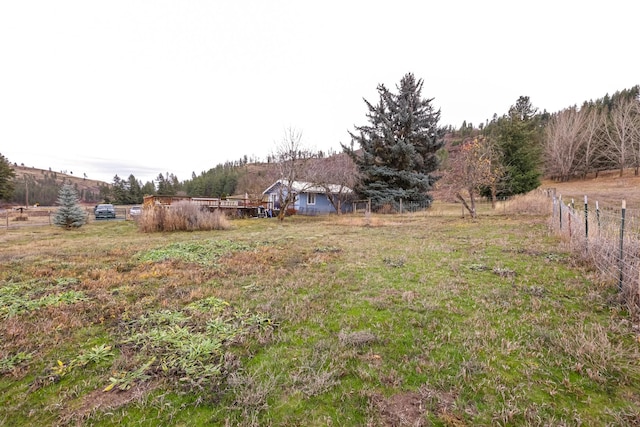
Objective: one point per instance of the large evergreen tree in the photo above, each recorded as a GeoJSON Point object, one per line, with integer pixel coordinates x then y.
{"type": "Point", "coordinates": [134, 188]}
{"type": "Point", "coordinates": [70, 214]}
{"type": "Point", "coordinates": [398, 146]}
{"type": "Point", "coordinates": [119, 190]}
{"type": "Point", "coordinates": [6, 179]}
{"type": "Point", "coordinates": [518, 136]}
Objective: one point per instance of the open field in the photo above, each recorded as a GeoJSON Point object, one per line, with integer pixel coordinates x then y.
{"type": "Point", "coordinates": [43, 215]}
{"type": "Point", "coordinates": [348, 321]}
{"type": "Point", "coordinates": [609, 189]}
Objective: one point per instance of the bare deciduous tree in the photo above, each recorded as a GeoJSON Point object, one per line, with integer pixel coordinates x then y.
{"type": "Point", "coordinates": [620, 132]}
{"type": "Point", "coordinates": [472, 170]}
{"type": "Point", "coordinates": [563, 142]}
{"type": "Point", "coordinates": [591, 148]}
{"type": "Point", "coordinates": [337, 175]}
{"type": "Point", "coordinates": [291, 158]}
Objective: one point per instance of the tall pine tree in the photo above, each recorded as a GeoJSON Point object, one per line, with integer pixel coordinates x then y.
{"type": "Point", "coordinates": [398, 146]}
{"type": "Point", "coordinates": [6, 178]}
{"type": "Point", "coordinates": [134, 188]}
{"type": "Point", "coordinates": [518, 135]}
{"type": "Point", "coordinates": [70, 214]}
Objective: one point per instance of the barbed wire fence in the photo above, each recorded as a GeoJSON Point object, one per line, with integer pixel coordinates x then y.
{"type": "Point", "coordinates": [606, 237]}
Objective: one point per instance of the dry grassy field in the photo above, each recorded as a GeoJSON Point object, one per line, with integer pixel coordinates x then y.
{"type": "Point", "coordinates": [395, 320]}
{"type": "Point", "coordinates": [609, 189]}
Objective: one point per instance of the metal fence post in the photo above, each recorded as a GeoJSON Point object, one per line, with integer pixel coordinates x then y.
{"type": "Point", "coordinates": [621, 254]}
{"type": "Point", "coordinates": [586, 219]}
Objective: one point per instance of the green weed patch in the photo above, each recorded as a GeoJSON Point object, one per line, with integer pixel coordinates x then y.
{"type": "Point", "coordinates": [186, 346]}
{"type": "Point", "coordinates": [11, 362]}
{"type": "Point", "coordinates": [206, 252]}
{"type": "Point", "coordinates": [18, 298]}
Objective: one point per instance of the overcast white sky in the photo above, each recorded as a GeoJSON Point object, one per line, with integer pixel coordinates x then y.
{"type": "Point", "coordinates": [148, 87]}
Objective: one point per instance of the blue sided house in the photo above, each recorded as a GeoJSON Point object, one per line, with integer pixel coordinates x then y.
{"type": "Point", "coordinates": [311, 199]}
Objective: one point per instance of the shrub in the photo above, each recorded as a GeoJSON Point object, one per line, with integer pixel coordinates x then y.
{"type": "Point", "coordinates": [181, 216]}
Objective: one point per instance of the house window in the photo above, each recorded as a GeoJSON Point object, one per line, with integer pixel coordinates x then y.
{"type": "Point", "coordinates": [311, 198]}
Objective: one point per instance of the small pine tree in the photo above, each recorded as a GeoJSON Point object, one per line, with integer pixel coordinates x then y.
{"type": "Point", "coordinates": [70, 214]}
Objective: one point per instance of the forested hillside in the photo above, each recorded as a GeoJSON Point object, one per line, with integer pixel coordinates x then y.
{"type": "Point", "coordinates": [39, 186]}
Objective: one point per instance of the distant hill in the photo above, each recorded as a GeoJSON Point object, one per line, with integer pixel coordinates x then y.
{"type": "Point", "coordinates": [255, 178]}
{"type": "Point", "coordinates": [41, 186]}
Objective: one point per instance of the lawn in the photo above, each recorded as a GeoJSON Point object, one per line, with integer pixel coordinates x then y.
{"type": "Point", "coordinates": [399, 320]}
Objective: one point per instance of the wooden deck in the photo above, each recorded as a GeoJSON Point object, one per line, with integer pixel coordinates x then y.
{"type": "Point", "coordinates": [231, 205]}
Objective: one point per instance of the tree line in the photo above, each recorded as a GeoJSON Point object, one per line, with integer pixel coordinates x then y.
{"type": "Point", "coordinates": [402, 152]}
{"type": "Point", "coordinates": [601, 135]}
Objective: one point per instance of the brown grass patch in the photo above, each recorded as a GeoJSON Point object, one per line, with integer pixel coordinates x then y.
{"type": "Point", "coordinates": [245, 263]}
{"type": "Point", "coordinates": [411, 408]}
{"type": "Point", "coordinates": [359, 220]}
{"type": "Point", "coordinates": [402, 409]}
{"type": "Point", "coordinates": [595, 353]}
{"type": "Point", "coordinates": [181, 216]}
{"type": "Point", "coordinates": [100, 401]}
{"type": "Point", "coordinates": [609, 189]}
{"type": "Point", "coordinates": [532, 203]}
{"type": "Point", "coordinates": [357, 338]}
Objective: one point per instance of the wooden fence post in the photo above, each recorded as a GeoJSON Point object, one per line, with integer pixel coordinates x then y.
{"type": "Point", "coordinates": [560, 211]}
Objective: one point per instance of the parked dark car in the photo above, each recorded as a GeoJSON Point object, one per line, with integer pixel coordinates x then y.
{"type": "Point", "coordinates": [105, 211]}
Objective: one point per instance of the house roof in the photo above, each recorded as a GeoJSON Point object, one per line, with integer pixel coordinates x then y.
{"type": "Point", "coordinates": [309, 187]}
